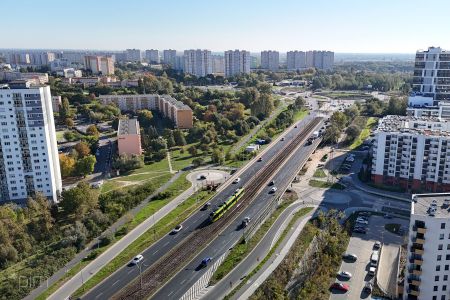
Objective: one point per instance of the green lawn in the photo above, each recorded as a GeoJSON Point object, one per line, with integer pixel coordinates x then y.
{"type": "Point", "coordinates": [371, 122]}
{"type": "Point", "coordinates": [60, 135]}
{"type": "Point", "coordinates": [320, 173]}
{"type": "Point", "coordinates": [325, 184]}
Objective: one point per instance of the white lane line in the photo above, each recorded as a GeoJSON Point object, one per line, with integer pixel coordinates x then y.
{"type": "Point", "coordinates": [166, 244]}
{"type": "Point", "coordinates": [170, 293]}
{"type": "Point", "coordinates": [155, 252]}
{"type": "Point", "coordinates": [98, 295]}
{"type": "Point", "coordinates": [130, 271]}
{"type": "Point", "coordinates": [115, 282]}
{"type": "Point", "coordinates": [183, 282]}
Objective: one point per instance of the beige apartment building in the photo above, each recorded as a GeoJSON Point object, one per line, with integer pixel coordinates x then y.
{"type": "Point", "coordinates": [177, 111]}
{"type": "Point", "coordinates": [129, 137]}
{"type": "Point", "coordinates": [99, 64]}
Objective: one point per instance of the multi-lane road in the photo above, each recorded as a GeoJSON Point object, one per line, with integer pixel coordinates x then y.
{"type": "Point", "coordinates": [184, 279]}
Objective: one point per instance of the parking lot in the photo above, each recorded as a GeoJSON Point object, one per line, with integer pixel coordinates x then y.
{"type": "Point", "coordinates": [362, 245]}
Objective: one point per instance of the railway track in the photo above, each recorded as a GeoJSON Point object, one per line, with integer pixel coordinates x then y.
{"type": "Point", "coordinates": [155, 276]}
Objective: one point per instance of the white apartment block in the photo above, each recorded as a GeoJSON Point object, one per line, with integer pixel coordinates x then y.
{"type": "Point", "coordinates": [29, 161]}
{"type": "Point", "coordinates": [428, 261]}
{"type": "Point", "coordinates": [413, 153]}
{"type": "Point", "coordinates": [296, 60]}
{"type": "Point", "coordinates": [218, 64]}
{"type": "Point", "coordinates": [270, 60]}
{"type": "Point", "coordinates": [431, 81]}
{"type": "Point", "coordinates": [133, 55]}
{"type": "Point", "coordinates": [441, 111]}
{"type": "Point", "coordinates": [152, 56]}
{"type": "Point", "coordinates": [170, 57]}
{"type": "Point", "coordinates": [197, 62]}
{"type": "Point", "coordinates": [175, 110]}
{"type": "Point", "coordinates": [69, 73]}
{"type": "Point", "coordinates": [299, 60]}
{"type": "Point", "coordinates": [99, 64]}
{"type": "Point", "coordinates": [237, 62]}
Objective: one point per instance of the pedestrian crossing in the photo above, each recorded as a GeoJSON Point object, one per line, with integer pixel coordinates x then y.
{"type": "Point", "coordinates": [200, 288]}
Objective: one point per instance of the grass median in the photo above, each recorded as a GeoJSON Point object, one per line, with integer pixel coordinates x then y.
{"type": "Point", "coordinates": [319, 173]}
{"type": "Point", "coordinates": [163, 227]}
{"type": "Point", "coordinates": [326, 184]}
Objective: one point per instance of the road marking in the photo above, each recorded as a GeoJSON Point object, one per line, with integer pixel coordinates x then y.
{"type": "Point", "coordinates": [170, 293]}
{"type": "Point", "coordinates": [155, 252]}
{"type": "Point", "coordinates": [183, 282]}
{"type": "Point", "coordinates": [116, 282]}
{"type": "Point", "coordinates": [130, 271]}
{"type": "Point", "coordinates": [166, 244]}
{"type": "Point", "coordinates": [98, 295]}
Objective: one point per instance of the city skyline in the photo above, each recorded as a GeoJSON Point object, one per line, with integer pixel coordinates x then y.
{"type": "Point", "coordinates": [345, 27]}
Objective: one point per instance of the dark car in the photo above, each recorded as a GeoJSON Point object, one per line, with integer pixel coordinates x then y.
{"type": "Point", "coordinates": [350, 256]}
{"type": "Point", "coordinates": [206, 206]}
{"type": "Point", "coordinates": [340, 286]}
{"type": "Point", "coordinates": [272, 183]}
{"type": "Point", "coordinates": [205, 262]}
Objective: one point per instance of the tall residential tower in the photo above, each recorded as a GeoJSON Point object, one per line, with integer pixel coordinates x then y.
{"type": "Point", "coordinates": [237, 62]}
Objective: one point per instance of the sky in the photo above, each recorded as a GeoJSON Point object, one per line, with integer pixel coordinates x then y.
{"type": "Point", "coordinates": [350, 26]}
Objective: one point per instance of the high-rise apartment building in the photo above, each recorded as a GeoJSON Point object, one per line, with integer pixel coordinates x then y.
{"type": "Point", "coordinates": [270, 60]}
{"type": "Point", "coordinates": [152, 56]}
{"type": "Point", "coordinates": [412, 153]}
{"type": "Point", "coordinates": [428, 259]}
{"type": "Point", "coordinates": [237, 62]}
{"type": "Point", "coordinates": [170, 57]}
{"type": "Point", "coordinates": [29, 161]}
{"type": "Point", "coordinates": [431, 81]}
{"type": "Point", "coordinates": [99, 64]}
{"type": "Point", "coordinates": [133, 55]}
{"type": "Point", "coordinates": [218, 64]}
{"type": "Point", "coordinates": [41, 58]}
{"type": "Point", "coordinates": [296, 60]}
{"type": "Point", "coordinates": [197, 62]}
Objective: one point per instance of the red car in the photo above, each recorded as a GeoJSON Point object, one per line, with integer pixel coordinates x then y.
{"type": "Point", "coordinates": [340, 286]}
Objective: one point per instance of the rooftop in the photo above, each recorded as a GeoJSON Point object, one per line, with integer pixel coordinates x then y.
{"type": "Point", "coordinates": [175, 102]}
{"type": "Point", "coordinates": [128, 126]}
{"type": "Point", "coordinates": [436, 205]}
{"type": "Point", "coordinates": [430, 126]}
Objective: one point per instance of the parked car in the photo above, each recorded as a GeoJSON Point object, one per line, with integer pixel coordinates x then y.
{"type": "Point", "coordinates": [282, 139]}
{"type": "Point", "coordinates": [137, 259]}
{"type": "Point", "coordinates": [345, 274]}
{"type": "Point", "coordinates": [362, 222]}
{"type": "Point", "coordinates": [372, 271]}
{"type": "Point", "coordinates": [368, 287]}
{"type": "Point", "coordinates": [340, 286]}
{"type": "Point", "coordinates": [377, 245]}
{"type": "Point", "coordinates": [177, 229]}
{"type": "Point", "coordinates": [271, 183]}
{"type": "Point", "coordinates": [273, 190]}
{"type": "Point", "coordinates": [260, 159]}
{"type": "Point", "coordinates": [245, 222]}
{"type": "Point", "coordinates": [350, 256]}
{"type": "Point", "coordinates": [236, 180]}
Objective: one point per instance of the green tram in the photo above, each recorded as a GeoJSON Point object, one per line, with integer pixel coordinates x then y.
{"type": "Point", "coordinates": [219, 212]}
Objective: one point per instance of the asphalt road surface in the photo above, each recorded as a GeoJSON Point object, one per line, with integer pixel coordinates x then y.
{"type": "Point", "coordinates": [125, 275]}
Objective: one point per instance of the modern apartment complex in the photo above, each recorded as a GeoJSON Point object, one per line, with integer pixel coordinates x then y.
{"type": "Point", "coordinates": [170, 57]}
{"type": "Point", "coordinates": [428, 261]}
{"type": "Point", "coordinates": [133, 55]}
{"type": "Point", "coordinates": [129, 137]}
{"type": "Point", "coordinates": [413, 153]}
{"type": "Point", "coordinates": [99, 64]}
{"type": "Point", "coordinates": [29, 161]}
{"type": "Point", "coordinates": [152, 56]}
{"type": "Point", "coordinates": [270, 60]}
{"type": "Point", "coordinates": [237, 62]}
{"type": "Point", "coordinates": [299, 60]}
{"type": "Point", "coordinates": [179, 113]}
{"type": "Point", "coordinates": [197, 62]}
{"type": "Point", "coordinates": [218, 64]}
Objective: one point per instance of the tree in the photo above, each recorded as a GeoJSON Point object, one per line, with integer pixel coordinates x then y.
{"type": "Point", "coordinates": [85, 165]}
{"type": "Point", "coordinates": [170, 141]}
{"type": "Point", "coordinates": [126, 163]}
{"type": "Point", "coordinates": [64, 111]}
{"type": "Point", "coordinates": [248, 96]}
{"type": "Point", "coordinates": [145, 118]}
{"type": "Point", "coordinates": [67, 165]}
{"type": "Point", "coordinates": [352, 132]}
{"type": "Point", "coordinates": [179, 137]}
{"type": "Point", "coordinates": [197, 161]}
{"type": "Point", "coordinates": [299, 103]}
{"type": "Point", "coordinates": [217, 156]}
{"type": "Point", "coordinates": [396, 106]}
{"type": "Point", "coordinates": [79, 200]}
{"type": "Point", "coordinates": [69, 122]}
{"type": "Point", "coordinates": [82, 149]}
{"type": "Point", "coordinates": [263, 106]}
{"type": "Point", "coordinates": [339, 119]}
{"type": "Point", "coordinates": [92, 130]}
{"type": "Point", "coordinates": [332, 134]}
{"type": "Point", "coordinates": [192, 150]}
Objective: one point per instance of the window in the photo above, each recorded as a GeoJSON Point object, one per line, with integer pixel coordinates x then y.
{"type": "Point", "coordinates": [448, 246]}
{"type": "Point", "coordinates": [438, 268]}
{"type": "Point", "coordinates": [442, 225]}
{"type": "Point", "coordinates": [443, 297]}
{"type": "Point", "coordinates": [447, 257]}
{"type": "Point", "coordinates": [434, 297]}
{"type": "Point", "coordinates": [441, 236]}
{"type": "Point", "coordinates": [446, 267]}
{"type": "Point", "coordinates": [439, 257]}
{"type": "Point", "coordinates": [435, 288]}
{"type": "Point", "coordinates": [445, 277]}
{"type": "Point", "coordinates": [440, 246]}
{"type": "Point", "coordinates": [436, 278]}
{"type": "Point", "coordinates": [444, 287]}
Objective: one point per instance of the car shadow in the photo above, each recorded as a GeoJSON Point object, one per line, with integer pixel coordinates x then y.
{"type": "Point", "coordinates": [336, 291]}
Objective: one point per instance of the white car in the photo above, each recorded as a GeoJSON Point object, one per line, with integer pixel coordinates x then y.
{"type": "Point", "coordinates": [177, 229]}
{"type": "Point", "coordinates": [237, 180]}
{"type": "Point", "coordinates": [345, 274]}
{"type": "Point", "coordinates": [362, 222]}
{"type": "Point", "coordinates": [137, 259]}
{"type": "Point", "coordinates": [273, 190]}
{"type": "Point", "coordinates": [377, 245]}
{"type": "Point", "coordinates": [372, 271]}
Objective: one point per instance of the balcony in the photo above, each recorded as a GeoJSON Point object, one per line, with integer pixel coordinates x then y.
{"type": "Point", "coordinates": [418, 261]}
{"type": "Point", "coordinates": [414, 293]}
{"type": "Point", "coordinates": [421, 230]}
{"type": "Point", "coordinates": [418, 251]}
{"type": "Point", "coordinates": [417, 272]}
{"type": "Point", "coordinates": [419, 240]}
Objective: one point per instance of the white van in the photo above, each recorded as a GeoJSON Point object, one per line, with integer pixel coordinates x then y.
{"type": "Point", "coordinates": [374, 258]}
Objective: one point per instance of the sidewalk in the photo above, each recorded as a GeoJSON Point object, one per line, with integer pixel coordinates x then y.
{"type": "Point", "coordinates": [92, 245]}
{"type": "Point", "coordinates": [255, 281]}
